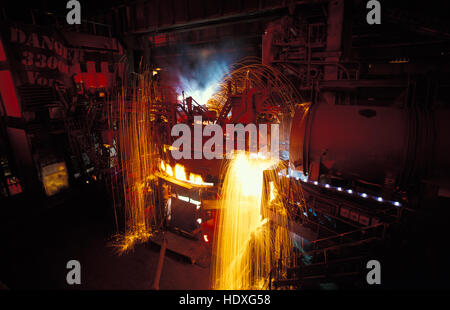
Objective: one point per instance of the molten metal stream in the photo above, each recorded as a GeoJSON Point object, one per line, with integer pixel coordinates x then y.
{"type": "Point", "coordinates": [246, 246]}
{"type": "Point", "coordinates": [139, 154]}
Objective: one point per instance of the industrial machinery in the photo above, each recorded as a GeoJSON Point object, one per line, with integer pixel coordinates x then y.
{"type": "Point", "coordinates": [362, 109]}
{"type": "Point", "coordinates": [363, 142]}
{"type": "Point", "coordinates": [365, 155]}
{"type": "Point", "coordinates": [54, 85]}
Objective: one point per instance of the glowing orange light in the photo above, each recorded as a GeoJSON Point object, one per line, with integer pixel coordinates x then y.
{"type": "Point", "coordinates": [245, 248]}
{"type": "Point", "coordinates": [179, 172]}
{"type": "Point", "coordinates": [139, 148]}
{"type": "Point", "coordinates": [55, 178]}
{"type": "Point", "coordinates": [272, 191]}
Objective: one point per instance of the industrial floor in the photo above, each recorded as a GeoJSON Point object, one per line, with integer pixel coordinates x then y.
{"type": "Point", "coordinates": [37, 242]}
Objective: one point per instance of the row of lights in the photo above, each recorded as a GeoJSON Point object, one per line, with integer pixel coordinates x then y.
{"type": "Point", "coordinates": [340, 189]}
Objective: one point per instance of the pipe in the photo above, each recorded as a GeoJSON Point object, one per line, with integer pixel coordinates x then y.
{"type": "Point", "coordinates": [162, 254]}
{"type": "Point", "coordinates": [375, 145]}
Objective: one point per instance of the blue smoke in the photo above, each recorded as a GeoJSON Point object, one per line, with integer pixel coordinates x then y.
{"type": "Point", "coordinates": [201, 72]}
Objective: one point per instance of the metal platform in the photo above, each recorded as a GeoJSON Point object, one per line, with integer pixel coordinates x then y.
{"type": "Point", "coordinates": [195, 251]}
